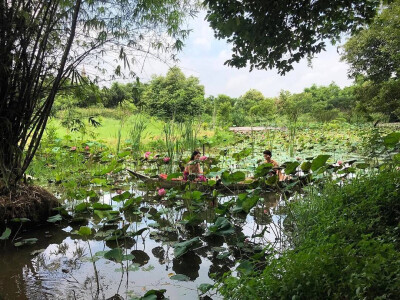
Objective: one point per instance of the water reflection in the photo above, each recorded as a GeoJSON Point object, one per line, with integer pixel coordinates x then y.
{"type": "Point", "coordinates": [68, 268]}
{"type": "Point", "coordinates": [140, 257]}
{"type": "Point", "coordinates": [159, 253]}
{"type": "Point", "coordinates": [188, 264]}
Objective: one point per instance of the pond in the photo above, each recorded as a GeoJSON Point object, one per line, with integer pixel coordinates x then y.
{"type": "Point", "coordinates": [66, 265]}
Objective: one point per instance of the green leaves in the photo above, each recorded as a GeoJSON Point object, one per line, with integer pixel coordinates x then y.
{"type": "Point", "coordinates": [391, 139]}
{"type": "Point", "coordinates": [243, 23]}
{"type": "Point", "coordinates": [174, 175]}
{"type": "Point", "coordinates": [101, 206]}
{"type": "Point", "coordinates": [205, 287]}
{"type": "Point", "coordinates": [20, 220]}
{"type": "Point", "coordinates": [263, 170]}
{"type": "Point", "coordinates": [237, 177]}
{"type": "Point", "coordinates": [183, 247]}
{"type": "Point", "coordinates": [221, 227]}
{"type": "Point", "coordinates": [24, 242]}
{"type": "Point", "coordinates": [6, 234]}
{"type": "Point", "coordinates": [55, 218]}
{"type": "Point", "coordinates": [180, 277]}
{"type": "Point", "coordinates": [117, 255]}
{"type": "Point", "coordinates": [245, 267]}
{"type": "Point", "coordinates": [84, 231]}
{"type": "Point", "coordinates": [319, 161]}
{"type": "Point", "coordinates": [228, 178]}
{"type": "Point", "coordinates": [154, 295]}
{"type": "Point", "coordinates": [291, 167]}
{"type": "Point", "coordinates": [246, 202]}
{"type": "Point", "coordinates": [125, 195]}
{"type": "Point", "coordinates": [305, 166]}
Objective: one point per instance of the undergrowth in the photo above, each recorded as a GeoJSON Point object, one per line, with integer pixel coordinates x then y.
{"type": "Point", "coordinates": [346, 245]}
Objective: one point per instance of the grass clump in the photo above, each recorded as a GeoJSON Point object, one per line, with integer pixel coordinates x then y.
{"type": "Point", "coordinates": [346, 242]}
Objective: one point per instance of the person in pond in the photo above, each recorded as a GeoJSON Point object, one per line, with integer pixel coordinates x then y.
{"type": "Point", "coordinates": [268, 160]}
{"type": "Point", "coordinates": [193, 169]}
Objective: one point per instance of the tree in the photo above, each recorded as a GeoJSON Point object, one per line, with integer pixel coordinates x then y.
{"type": "Point", "coordinates": [264, 110]}
{"type": "Point", "coordinates": [374, 51]}
{"type": "Point", "coordinates": [223, 109]}
{"type": "Point", "coordinates": [291, 106]}
{"type": "Point", "coordinates": [249, 99]}
{"type": "Point", "coordinates": [267, 34]}
{"type": "Point", "coordinates": [137, 89]}
{"type": "Point", "coordinates": [117, 94]}
{"type": "Point", "coordinates": [243, 105]}
{"type": "Point", "coordinates": [43, 42]}
{"type": "Point", "coordinates": [373, 55]}
{"type": "Point", "coordinates": [174, 96]}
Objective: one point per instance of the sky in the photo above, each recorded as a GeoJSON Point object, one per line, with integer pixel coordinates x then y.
{"type": "Point", "coordinates": [203, 56]}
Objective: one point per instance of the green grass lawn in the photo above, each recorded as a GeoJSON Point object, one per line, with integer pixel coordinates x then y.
{"type": "Point", "coordinates": [110, 128]}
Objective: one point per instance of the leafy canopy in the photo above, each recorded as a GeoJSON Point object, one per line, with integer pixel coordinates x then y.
{"type": "Point", "coordinates": [267, 34]}
{"type": "Point", "coordinates": [373, 56]}
{"type": "Point", "coordinates": [174, 96]}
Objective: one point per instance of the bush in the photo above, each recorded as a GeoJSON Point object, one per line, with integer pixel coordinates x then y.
{"type": "Point", "coordinates": [346, 246]}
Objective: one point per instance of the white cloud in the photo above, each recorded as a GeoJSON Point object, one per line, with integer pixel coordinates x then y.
{"type": "Point", "coordinates": [202, 42]}
{"type": "Point", "coordinates": [204, 57]}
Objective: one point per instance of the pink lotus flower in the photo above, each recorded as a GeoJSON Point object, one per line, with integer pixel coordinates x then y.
{"type": "Point", "coordinates": [73, 148]}
{"type": "Point", "coordinates": [162, 192]}
{"type": "Point", "coordinates": [339, 162]}
{"type": "Point", "coordinates": [202, 178]}
{"type": "Point", "coordinates": [166, 159]}
{"type": "Point", "coordinates": [87, 148]}
{"type": "Point", "coordinates": [147, 154]}
{"type": "Point", "coordinates": [203, 158]}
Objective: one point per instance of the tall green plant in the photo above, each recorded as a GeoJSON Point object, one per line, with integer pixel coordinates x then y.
{"type": "Point", "coordinates": [189, 132]}
{"type": "Point", "coordinates": [171, 140]}
{"type": "Point", "coordinates": [136, 132]}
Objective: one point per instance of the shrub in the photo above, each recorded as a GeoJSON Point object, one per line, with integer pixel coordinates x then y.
{"type": "Point", "coordinates": [346, 245]}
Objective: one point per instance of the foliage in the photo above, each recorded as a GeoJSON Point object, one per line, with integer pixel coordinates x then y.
{"type": "Point", "coordinates": [174, 96]}
{"type": "Point", "coordinates": [183, 247]}
{"type": "Point", "coordinates": [346, 243]}
{"type": "Point", "coordinates": [116, 94]}
{"type": "Point", "coordinates": [381, 97]}
{"type": "Point", "coordinates": [277, 34]}
{"type": "Point", "coordinates": [373, 54]}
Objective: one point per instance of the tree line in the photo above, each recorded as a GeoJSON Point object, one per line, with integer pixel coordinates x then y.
{"type": "Point", "coordinates": [175, 96]}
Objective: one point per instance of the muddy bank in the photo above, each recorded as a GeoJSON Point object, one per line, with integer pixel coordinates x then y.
{"type": "Point", "coordinates": [28, 201]}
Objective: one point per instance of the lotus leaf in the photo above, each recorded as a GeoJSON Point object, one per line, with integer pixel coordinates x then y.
{"type": "Point", "coordinates": [55, 218]}
{"type": "Point", "coordinates": [205, 287]}
{"type": "Point", "coordinates": [183, 247]}
{"type": "Point", "coordinates": [30, 241]}
{"type": "Point", "coordinates": [291, 167]}
{"type": "Point", "coordinates": [6, 234]}
{"type": "Point", "coordinates": [117, 255]}
{"type": "Point", "coordinates": [180, 277]}
{"type": "Point", "coordinates": [221, 227]}
{"type": "Point", "coordinates": [319, 161]}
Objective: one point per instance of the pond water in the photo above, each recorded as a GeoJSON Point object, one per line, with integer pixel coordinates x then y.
{"type": "Point", "coordinates": [64, 265]}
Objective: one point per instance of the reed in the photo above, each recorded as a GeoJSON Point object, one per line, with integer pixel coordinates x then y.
{"type": "Point", "coordinates": [136, 133]}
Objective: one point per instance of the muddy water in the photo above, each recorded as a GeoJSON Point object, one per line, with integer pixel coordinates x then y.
{"type": "Point", "coordinates": [61, 264]}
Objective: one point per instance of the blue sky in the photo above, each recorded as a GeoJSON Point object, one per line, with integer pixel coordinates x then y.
{"type": "Point", "coordinates": [203, 56]}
